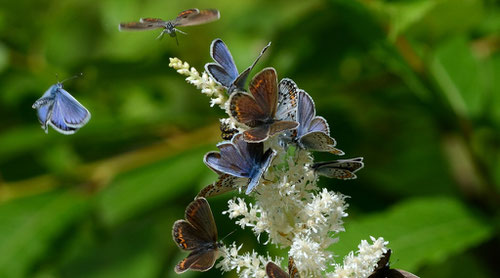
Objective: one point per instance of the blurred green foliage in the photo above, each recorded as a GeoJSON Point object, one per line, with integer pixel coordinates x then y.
{"type": "Point", "coordinates": [413, 86]}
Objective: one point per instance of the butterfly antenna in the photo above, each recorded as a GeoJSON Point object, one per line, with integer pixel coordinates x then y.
{"type": "Point", "coordinates": [72, 77]}
{"type": "Point", "coordinates": [228, 234]}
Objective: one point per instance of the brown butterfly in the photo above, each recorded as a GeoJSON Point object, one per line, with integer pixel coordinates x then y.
{"type": "Point", "coordinates": [185, 18]}
{"type": "Point", "coordinates": [197, 234]}
{"type": "Point", "coordinates": [258, 110]}
{"type": "Point", "coordinates": [274, 271]}
{"type": "Point", "coordinates": [343, 169]}
{"type": "Point", "coordinates": [382, 270]}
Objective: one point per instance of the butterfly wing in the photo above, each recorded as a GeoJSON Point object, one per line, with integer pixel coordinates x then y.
{"type": "Point", "coordinates": [74, 114]}
{"type": "Point", "coordinates": [239, 82]}
{"type": "Point", "coordinates": [200, 260]}
{"type": "Point", "coordinates": [292, 268]}
{"type": "Point", "coordinates": [274, 271]}
{"type": "Point", "coordinates": [264, 163]}
{"type": "Point", "coordinates": [305, 113]}
{"type": "Point", "coordinates": [245, 109]}
{"type": "Point", "coordinates": [280, 126]}
{"type": "Point", "coordinates": [145, 24]}
{"type": "Point", "coordinates": [224, 184]}
{"type": "Point", "coordinates": [230, 160]}
{"type": "Point", "coordinates": [224, 71]}
{"type": "Point", "coordinates": [257, 134]}
{"type": "Point", "coordinates": [199, 214]}
{"type": "Point", "coordinates": [399, 273]}
{"type": "Point", "coordinates": [319, 123]}
{"type": "Point", "coordinates": [264, 89]}
{"type": "Point", "coordinates": [195, 17]}
{"type": "Point", "coordinates": [43, 112]}
{"type": "Point", "coordinates": [187, 236]}
{"type": "Point", "coordinates": [56, 119]}
{"type": "Point", "coordinates": [340, 169]}
{"type": "Point", "coordinates": [320, 142]}
{"type": "Point", "coordinates": [287, 100]}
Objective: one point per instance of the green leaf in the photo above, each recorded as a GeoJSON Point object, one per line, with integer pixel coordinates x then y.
{"type": "Point", "coordinates": [456, 71]}
{"type": "Point", "coordinates": [419, 231]}
{"type": "Point", "coordinates": [30, 226]}
{"type": "Point", "coordinates": [146, 187]}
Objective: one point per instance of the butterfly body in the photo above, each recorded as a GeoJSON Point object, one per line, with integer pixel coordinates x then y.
{"type": "Point", "coordinates": [198, 234]}
{"type": "Point", "coordinates": [60, 110]}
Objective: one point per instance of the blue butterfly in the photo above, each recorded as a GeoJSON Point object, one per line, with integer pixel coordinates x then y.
{"type": "Point", "coordinates": [313, 132]}
{"type": "Point", "coordinates": [60, 110]}
{"type": "Point", "coordinates": [224, 71]}
{"type": "Point", "coordinates": [241, 159]}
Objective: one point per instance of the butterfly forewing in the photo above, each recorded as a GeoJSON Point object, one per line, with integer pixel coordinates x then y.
{"type": "Point", "coordinates": [199, 214]}
{"type": "Point", "coordinates": [187, 236]}
{"type": "Point", "coordinates": [274, 271]}
{"type": "Point", "coordinates": [74, 114]}
{"type": "Point", "coordinates": [239, 82]}
{"type": "Point", "coordinates": [244, 109]}
{"type": "Point", "coordinates": [287, 100]}
{"type": "Point", "coordinates": [264, 88]}
{"type": "Point", "coordinates": [139, 26]}
{"type": "Point", "coordinates": [224, 71]}
{"type": "Point", "coordinates": [195, 17]}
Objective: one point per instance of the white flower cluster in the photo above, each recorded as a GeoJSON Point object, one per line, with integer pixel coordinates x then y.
{"type": "Point", "coordinates": [204, 82]}
{"type": "Point", "coordinates": [363, 264]}
{"type": "Point", "coordinates": [246, 265]}
{"type": "Point", "coordinates": [289, 209]}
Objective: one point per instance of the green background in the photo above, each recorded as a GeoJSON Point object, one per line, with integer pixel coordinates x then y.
{"type": "Point", "coordinates": [412, 86]}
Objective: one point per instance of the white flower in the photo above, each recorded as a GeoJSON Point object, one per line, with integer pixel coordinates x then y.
{"type": "Point", "coordinates": [204, 82]}
{"type": "Point", "coordinates": [246, 265]}
{"type": "Point", "coordinates": [362, 265]}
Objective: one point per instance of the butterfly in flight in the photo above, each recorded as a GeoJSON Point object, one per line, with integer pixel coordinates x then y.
{"type": "Point", "coordinates": [274, 271]}
{"type": "Point", "coordinates": [185, 18]}
{"type": "Point", "coordinates": [224, 70]}
{"type": "Point", "coordinates": [198, 234]}
{"type": "Point", "coordinates": [60, 110]}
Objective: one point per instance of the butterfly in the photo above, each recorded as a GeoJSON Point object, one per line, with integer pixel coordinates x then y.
{"type": "Point", "coordinates": [262, 110]}
{"type": "Point", "coordinates": [313, 131]}
{"type": "Point", "coordinates": [343, 169]}
{"type": "Point", "coordinates": [224, 71]}
{"type": "Point", "coordinates": [198, 234]}
{"type": "Point", "coordinates": [238, 158]}
{"type": "Point", "coordinates": [60, 110]}
{"type": "Point", "coordinates": [382, 270]}
{"type": "Point", "coordinates": [274, 271]}
{"type": "Point", "coordinates": [185, 18]}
